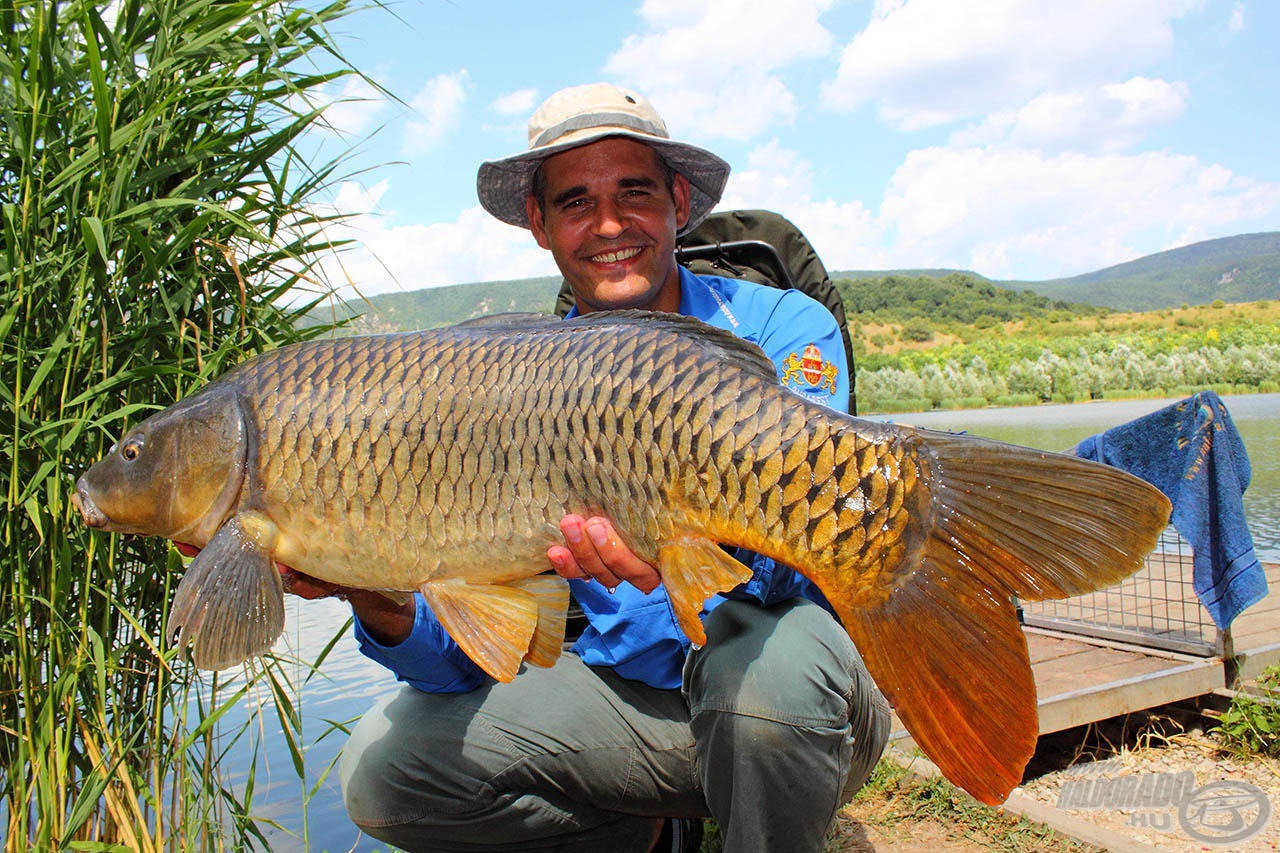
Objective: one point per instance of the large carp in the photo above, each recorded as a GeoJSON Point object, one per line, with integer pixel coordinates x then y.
{"type": "Point", "coordinates": [442, 462]}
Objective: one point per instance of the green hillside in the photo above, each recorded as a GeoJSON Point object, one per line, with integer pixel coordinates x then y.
{"type": "Point", "coordinates": [444, 306]}
{"type": "Point", "coordinates": [1244, 268]}
{"type": "Point", "coordinates": [956, 297]}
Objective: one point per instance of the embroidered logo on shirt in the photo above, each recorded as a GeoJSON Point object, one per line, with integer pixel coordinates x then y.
{"type": "Point", "coordinates": [810, 370]}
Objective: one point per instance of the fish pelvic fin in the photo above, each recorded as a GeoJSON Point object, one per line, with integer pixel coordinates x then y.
{"type": "Point", "coordinates": [938, 629]}
{"type": "Point", "coordinates": [552, 594]}
{"type": "Point", "coordinates": [693, 569]}
{"type": "Point", "coordinates": [229, 605]}
{"type": "Point", "coordinates": [493, 624]}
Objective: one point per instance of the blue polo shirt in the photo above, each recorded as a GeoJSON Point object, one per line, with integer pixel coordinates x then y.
{"type": "Point", "coordinates": [634, 633]}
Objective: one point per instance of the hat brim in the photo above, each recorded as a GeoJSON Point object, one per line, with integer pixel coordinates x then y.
{"type": "Point", "coordinates": [502, 185]}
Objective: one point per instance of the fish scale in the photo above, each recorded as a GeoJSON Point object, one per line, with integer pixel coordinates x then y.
{"type": "Point", "coordinates": [442, 462]}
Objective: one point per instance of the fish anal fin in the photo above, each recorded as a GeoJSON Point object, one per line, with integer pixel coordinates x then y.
{"type": "Point", "coordinates": [230, 603]}
{"type": "Point", "coordinates": [552, 594]}
{"type": "Point", "coordinates": [492, 623]}
{"type": "Point", "coordinates": [965, 691]}
{"type": "Point", "coordinates": [693, 569]}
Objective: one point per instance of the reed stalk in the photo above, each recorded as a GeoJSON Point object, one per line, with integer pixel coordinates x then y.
{"type": "Point", "coordinates": [156, 224]}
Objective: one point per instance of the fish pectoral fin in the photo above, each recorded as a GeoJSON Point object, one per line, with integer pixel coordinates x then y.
{"type": "Point", "coordinates": [492, 623]}
{"type": "Point", "coordinates": [693, 569]}
{"type": "Point", "coordinates": [396, 596]}
{"type": "Point", "coordinates": [951, 658]}
{"type": "Point", "coordinates": [552, 594]}
{"type": "Point", "coordinates": [230, 603]}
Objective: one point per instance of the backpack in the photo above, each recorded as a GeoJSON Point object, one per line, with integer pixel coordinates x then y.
{"type": "Point", "coordinates": [763, 247]}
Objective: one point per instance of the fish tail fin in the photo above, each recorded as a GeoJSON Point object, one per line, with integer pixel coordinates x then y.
{"type": "Point", "coordinates": [938, 631]}
{"type": "Point", "coordinates": [552, 594]}
{"type": "Point", "coordinates": [230, 603]}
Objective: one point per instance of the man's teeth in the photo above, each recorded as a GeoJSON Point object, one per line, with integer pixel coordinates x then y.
{"type": "Point", "coordinates": [614, 257]}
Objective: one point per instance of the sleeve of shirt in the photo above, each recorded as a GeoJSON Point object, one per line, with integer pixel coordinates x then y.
{"type": "Point", "coordinates": [797, 323]}
{"type": "Point", "coordinates": [427, 659]}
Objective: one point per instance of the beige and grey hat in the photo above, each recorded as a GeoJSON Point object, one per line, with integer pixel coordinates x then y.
{"type": "Point", "coordinates": [583, 114]}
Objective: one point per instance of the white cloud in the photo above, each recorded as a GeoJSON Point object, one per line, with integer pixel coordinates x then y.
{"type": "Point", "coordinates": [1013, 212]}
{"type": "Point", "coordinates": [389, 256]}
{"type": "Point", "coordinates": [351, 110]}
{"type": "Point", "coordinates": [1009, 212]}
{"type": "Point", "coordinates": [714, 65]}
{"type": "Point", "coordinates": [438, 105]}
{"type": "Point", "coordinates": [931, 62]}
{"type": "Point", "coordinates": [518, 103]}
{"type": "Point", "coordinates": [845, 234]}
{"type": "Point", "coordinates": [1111, 117]}
{"type": "Point", "coordinates": [1236, 22]}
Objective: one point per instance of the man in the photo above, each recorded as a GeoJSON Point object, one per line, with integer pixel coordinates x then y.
{"type": "Point", "coordinates": [768, 728]}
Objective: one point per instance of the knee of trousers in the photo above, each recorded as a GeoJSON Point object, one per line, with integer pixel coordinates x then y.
{"type": "Point", "coordinates": [390, 772]}
{"type": "Point", "coordinates": [791, 663]}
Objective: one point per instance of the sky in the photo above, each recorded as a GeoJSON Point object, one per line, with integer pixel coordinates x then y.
{"type": "Point", "coordinates": [1020, 139]}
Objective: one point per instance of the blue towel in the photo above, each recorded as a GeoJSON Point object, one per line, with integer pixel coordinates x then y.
{"type": "Point", "coordinates": [1192, 452]}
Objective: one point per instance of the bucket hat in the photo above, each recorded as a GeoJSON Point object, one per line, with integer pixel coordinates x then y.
{"type": "Point", "coordinates": [584, 114]}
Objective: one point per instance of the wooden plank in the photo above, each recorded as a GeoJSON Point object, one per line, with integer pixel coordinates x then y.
{"type": "Point", "coordinates": [1102, 701]}
{"type": "Point", "coordinates": [1252, 662]}
{"type": "Point", "coordinates": [1096, 671]}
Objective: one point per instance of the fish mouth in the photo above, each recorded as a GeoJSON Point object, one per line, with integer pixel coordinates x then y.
{"type": "Point", "coordinates": [89, 512]}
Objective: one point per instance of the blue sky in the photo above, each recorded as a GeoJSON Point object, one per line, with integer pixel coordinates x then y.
{"type": "Point", "coordinates": [1022, 139]}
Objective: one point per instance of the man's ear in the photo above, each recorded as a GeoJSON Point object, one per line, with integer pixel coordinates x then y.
{"type": "Point", "coordinates": [680, 193]}
{"type": "Point", "coordinates": [534, 213]}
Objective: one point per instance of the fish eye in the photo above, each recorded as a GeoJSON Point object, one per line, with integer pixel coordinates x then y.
{"type": "Point", "coordinates": [131, 449]}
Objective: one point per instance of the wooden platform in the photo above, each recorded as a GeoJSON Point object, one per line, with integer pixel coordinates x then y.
{"type": "Point", "coordinates": [1083, 679]}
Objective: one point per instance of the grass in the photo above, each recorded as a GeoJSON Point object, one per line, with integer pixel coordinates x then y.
{"type": "Point", "coordinates": [154, 217]}
{"type": "Point", "coordinates": [1250, 725]}
{"type": "Point", "coordinates": [903, 807]}
{"type": "Point", "coordinates": [895, 800]}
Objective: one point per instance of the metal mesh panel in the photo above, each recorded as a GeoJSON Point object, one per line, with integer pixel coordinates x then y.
{"type": "Point", "coordinates": [1156, 607]}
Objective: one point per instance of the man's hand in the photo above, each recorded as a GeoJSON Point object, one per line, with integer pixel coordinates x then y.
{"type": "Point", "coordinates": [594, 551]}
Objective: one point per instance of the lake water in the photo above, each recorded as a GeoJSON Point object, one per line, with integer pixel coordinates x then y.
{"type": "Point", "coordinates": [349, 684]}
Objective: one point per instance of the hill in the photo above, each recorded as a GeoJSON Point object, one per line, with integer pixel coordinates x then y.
{"type": "Point", "coordinates": [957, 297]}
{"type": "Point", "coordinates": [1244, 268]}
{"type": "Point", "coordinates": [444, 306]}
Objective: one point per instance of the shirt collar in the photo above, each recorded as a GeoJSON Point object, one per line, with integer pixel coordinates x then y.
{"type": "Point", "coordinates": [697, 299]}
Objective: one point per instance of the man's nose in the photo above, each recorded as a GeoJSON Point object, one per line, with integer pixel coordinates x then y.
{"type": "Point", "coordinates": [608, 220]}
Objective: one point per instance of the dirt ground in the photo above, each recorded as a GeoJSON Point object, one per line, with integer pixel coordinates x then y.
{"type": "Point", "coordinates": [1077, 780]}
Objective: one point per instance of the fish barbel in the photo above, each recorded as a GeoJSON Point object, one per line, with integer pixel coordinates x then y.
{"type": "Point", "coordinates": [443, 461]}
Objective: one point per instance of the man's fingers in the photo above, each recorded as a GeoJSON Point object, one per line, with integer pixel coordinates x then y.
{"type": "Point", "coordinates": [582, 550]}
{"type": "Point", "coordinates": [594, 551]}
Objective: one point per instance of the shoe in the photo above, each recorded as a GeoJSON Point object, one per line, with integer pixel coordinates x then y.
{"type": "Point", "coordinates": [680, 835]}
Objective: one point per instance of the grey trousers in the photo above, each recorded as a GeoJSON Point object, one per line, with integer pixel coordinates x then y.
{"type": "Point", "coordinates": [777, 725]}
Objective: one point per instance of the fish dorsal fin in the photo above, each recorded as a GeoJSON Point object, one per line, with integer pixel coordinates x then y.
{"type": "Point", "coordinates": [693, 569]}
{"type": "Point", "coordinates": [552, 594]}
{"type": "Point", "coordinates": [510, 320]}
{"type": "Point", "coordinates": [492, 623]}
{"type": "Point", "coordinates": [740, 352]}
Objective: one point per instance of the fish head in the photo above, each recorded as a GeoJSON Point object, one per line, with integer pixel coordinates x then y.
{"type": "Point", "coordinates": [177, 474]}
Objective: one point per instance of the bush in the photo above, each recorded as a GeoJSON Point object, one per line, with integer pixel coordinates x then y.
{"type": "Point", "coordinates": [1016, 400]}
{"type": "Point", "coordinates": [1251, 724]}
{"type": "Point", "coordinates": [156, 215]}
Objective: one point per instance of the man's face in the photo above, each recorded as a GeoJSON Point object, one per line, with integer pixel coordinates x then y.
{"type": "Point", "coordinates": [611, 223]}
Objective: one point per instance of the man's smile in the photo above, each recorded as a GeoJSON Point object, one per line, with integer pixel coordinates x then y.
{"type": "Point", "coordinates": [616, 255]}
